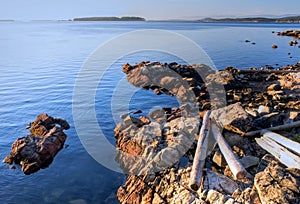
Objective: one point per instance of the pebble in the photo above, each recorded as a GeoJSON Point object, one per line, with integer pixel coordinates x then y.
{"type": "Point", "coordinates": [219, 159]}
{"type": "Point", "coordinates": [262, 110]}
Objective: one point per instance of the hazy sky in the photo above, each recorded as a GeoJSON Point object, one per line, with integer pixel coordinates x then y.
{"type": "Point", "coordinates": [150, 9]}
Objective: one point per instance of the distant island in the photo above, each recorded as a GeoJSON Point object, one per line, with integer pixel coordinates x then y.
{"type": "Point", "coordinates": [4, 20]}
{"type": "Point", "coordinates": [125, 18]}
{"type": "Point", "coordinates": [292, 19]}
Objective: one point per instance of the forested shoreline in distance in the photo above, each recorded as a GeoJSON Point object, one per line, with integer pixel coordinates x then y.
{"type": "Point", "coordinates": [126, 18]}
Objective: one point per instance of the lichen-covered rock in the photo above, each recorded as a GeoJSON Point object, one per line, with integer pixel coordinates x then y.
{"type": "Point", "coordinates": [248, 196]}
{"type": "Point", "coordinates": [38, 149]}
{"type": "Point", "coordinates": [153, 146]}
{"type": "Point", "coordinates": [215, 197]}
{"type": "Point", "coordinates": [135, 191]}
{"type": "Point", "coordinates": [183, 197]}
{"type": "Point", "coordinates": [278, 185]}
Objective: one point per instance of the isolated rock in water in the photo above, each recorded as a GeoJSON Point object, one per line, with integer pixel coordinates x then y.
{"type": "Point", "coordinates": [233, 118]}
{"type": "Point", "coordinates": [38, 149]}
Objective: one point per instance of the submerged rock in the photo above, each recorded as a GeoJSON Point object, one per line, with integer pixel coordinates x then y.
{"type": "Point", "coordinates": [37, 150]}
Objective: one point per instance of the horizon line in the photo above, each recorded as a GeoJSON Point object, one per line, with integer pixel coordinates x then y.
{"type": "Point", "coordinates": [169, 19]}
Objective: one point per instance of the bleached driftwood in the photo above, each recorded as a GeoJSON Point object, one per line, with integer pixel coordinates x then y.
{"type": "Point", "coordinates": [276, 128]}
{"type": "Point", "coordinates": [200, 154]}
{"type": "Point", "coordinates": [235, 166]}
{"type": "Point", "coordinates": [289, 144]}
{"type": "Point", "coordinates": [247, 71]}
{"type": "Point", "coordinates": [272, 143]}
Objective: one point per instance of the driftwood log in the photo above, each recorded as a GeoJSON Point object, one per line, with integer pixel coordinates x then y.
{"type": "Point", "coordinates": [276, 128]}
{"type": "Point", "coordinates": [280, 147]}
{"type": "Point", "coordinates": [235, 166]}
{"type": "Point", "coordinates": [200, 154]}
{"type": "Point", "coordinates": [249, 71]}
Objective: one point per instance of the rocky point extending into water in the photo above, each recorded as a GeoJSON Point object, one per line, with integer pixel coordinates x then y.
{"type": "Point", "coordinates": [291, 33]}
{"type": "Point", "coordinates": [157, 149]}
{"type": "Point", "coordinates": [38, 149]}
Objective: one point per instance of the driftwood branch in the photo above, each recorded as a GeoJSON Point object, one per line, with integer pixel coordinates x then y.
{"type": "Point", "coordinates": [272, 143]}
{"type": "Point", "coordinates": [247, 71]}
{"type": "Point", "coordinates": [235, 166]}
{"type": "Point", "coordinates": [200, 154]}
{"type": "Point", "coordinates": [276, 128]}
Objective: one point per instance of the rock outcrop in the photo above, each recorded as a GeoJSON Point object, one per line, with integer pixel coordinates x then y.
{"type": "Point", "coordinates": [277, 184]}
{"type": "Point", "coordinates": [156, 151]}
{"type": "Point", "coordinates": [291, 33]}
{"type": "Point", "coordinates": [37, 150]}
{"type": "Point", "coordinates": [157, 144]}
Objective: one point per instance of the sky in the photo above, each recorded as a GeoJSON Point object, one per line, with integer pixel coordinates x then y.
{"type": "Point", "coordinates": [149, 9]}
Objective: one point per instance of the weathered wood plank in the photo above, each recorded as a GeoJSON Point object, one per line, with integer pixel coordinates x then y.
{"type": "Point", "coordinates": [280, 152]}
{"type": "Point", "coordinates": [289, 144]}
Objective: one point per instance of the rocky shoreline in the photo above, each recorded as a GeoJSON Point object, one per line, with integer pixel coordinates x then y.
{"type": "Point", "coordinates": [157, 149]}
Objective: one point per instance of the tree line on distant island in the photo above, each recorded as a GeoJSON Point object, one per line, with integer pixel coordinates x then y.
{"type": "Point", "coordinates": [292, 19]}
{"type": "Point", "coordinates": [126, 18]}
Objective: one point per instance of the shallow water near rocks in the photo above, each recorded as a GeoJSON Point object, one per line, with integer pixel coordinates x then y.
{"type": "Point", "coordinates": [39, 63]}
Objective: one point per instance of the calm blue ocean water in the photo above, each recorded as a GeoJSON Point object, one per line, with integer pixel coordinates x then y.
{"type": "Point", "coordinates": [39, 63]}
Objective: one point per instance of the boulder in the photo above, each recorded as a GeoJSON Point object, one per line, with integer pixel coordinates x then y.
{"type": "Point", "coordinates": [249, 161]}
{"type": "Point", "coordinates": [269, 120]}
{"type": "Point", "coordinates": [233, 118]}
{"type": "Point", "coordinates": [220, 182]}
